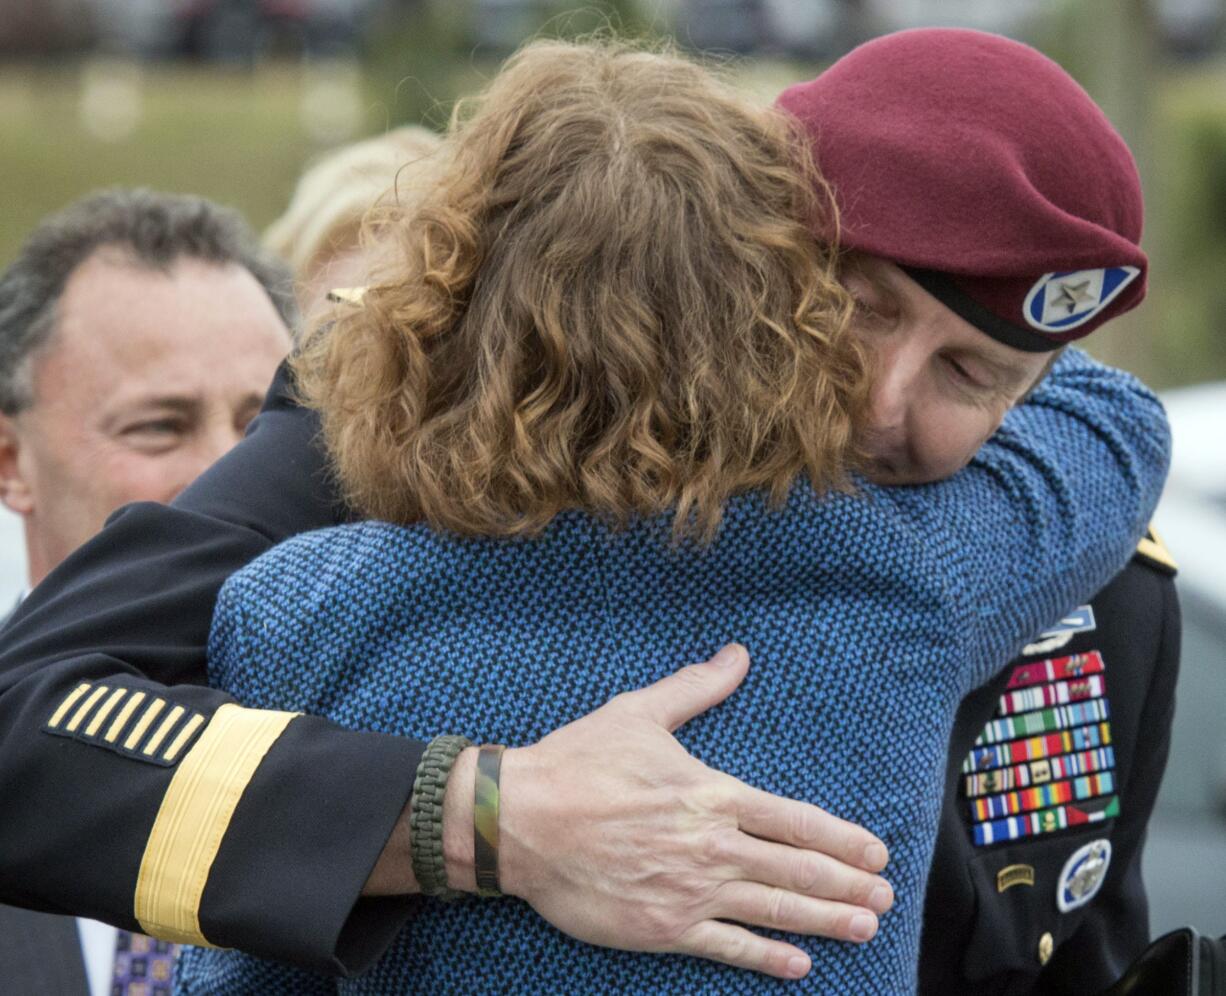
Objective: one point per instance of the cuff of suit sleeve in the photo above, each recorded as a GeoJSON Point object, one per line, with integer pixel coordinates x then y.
{"type": "Point", "coordinates": [286, 883]}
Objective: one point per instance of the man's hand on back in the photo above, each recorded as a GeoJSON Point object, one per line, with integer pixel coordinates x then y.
{"type": "Point", "coordinates": [617, 836]}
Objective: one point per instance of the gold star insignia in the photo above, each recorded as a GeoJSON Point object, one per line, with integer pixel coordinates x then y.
{"type": "Point", "coordinates": [1073, 296]}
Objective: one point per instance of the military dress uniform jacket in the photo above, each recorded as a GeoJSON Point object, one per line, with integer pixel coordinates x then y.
{"type": "Point", "coordinates": [1053, 771]}
{"type": "Point", "coordinates": [113, 754]}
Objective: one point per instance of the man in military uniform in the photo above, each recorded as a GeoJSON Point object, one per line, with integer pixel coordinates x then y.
{"type": "Point", "coordinates": [953, 175]}
{"type": "Point", "coordinates": [1036, 884]}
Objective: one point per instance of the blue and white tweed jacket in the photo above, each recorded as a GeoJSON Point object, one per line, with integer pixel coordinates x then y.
{"type": "Point", "coordinates": [867, 618]}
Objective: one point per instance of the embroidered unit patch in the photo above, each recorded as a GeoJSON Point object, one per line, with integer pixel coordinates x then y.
{"type": "Point", "coordinates": [126, 721]}
{"type": "Point", "coordinates": [1045, 762]}
{"type": "Point", "coordinates": [1083, 875]}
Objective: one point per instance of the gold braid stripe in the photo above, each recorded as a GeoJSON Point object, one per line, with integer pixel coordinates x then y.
{"type": "Point", "coordinates": [69, 701]}
{"type": "Point", "coordinates": [194, 817]}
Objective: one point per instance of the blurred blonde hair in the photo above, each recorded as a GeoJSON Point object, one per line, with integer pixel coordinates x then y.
{"type": "Point", "coordinates": [610, 302]}
{"type": "Point", "coordinates": [325, 213]}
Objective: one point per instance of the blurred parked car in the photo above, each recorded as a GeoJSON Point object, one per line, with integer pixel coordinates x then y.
{"type": "Point", "coordinates": [231, 31]}
{"type": "Point", "coordinates": [1190, 27]}
{"type": "Point", "coordinates": [500, 26]}
{"type": "Point", "coordinates": [721, 25]}
{"type": "Point", "coordinates": [1185, 857]}
{"type": "Point", "coordinates": [813, 29]}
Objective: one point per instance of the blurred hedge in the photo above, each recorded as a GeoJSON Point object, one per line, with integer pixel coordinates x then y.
{"type": "Point", "coordinates": [233, 136]}
{"type": "Point", "coordinates": [1188, 221]}
{"type": "Point", "coordinates": [420, 60]}
{"type": "Point", "coordinates": [242, 137]}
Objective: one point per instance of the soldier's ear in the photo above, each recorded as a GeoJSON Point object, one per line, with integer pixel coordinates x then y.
{"type": "Point", "coordinates": [15, 490]}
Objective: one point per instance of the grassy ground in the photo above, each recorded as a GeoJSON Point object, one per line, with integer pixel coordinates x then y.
{"type": "Point", "coordinates": [236, 137]}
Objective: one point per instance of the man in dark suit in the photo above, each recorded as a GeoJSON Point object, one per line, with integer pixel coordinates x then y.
{"type": "Point", "coordinates": [40, 953]}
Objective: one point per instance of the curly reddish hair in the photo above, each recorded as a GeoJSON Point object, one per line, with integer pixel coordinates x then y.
{"type": "Point", "coordinates": [612, 301]}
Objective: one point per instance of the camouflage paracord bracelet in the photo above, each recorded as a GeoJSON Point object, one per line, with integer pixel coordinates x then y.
{"type": "Point", "coordinates": [486, 799]}
{"type": "Point", "coordinates": [426, 815]}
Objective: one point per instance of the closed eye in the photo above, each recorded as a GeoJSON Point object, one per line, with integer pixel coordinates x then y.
{"type": "Point", "coordinates": [962, 374]}
{"type": "Point", "coordinates": [865, 310]}
{"type": "Point", "coordinates": [158, 426]}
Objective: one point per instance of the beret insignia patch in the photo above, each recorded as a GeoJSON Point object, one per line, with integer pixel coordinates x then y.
{"type": "Point", "coordinates": [1059, 302]}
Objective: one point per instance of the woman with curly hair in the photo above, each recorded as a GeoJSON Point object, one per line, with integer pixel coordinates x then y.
{"type": "Point", "coordinates": [603, 404]}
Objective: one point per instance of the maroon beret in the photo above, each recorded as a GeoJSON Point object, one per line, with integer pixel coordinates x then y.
{"type": "Point", "coordinates": [987, 173]}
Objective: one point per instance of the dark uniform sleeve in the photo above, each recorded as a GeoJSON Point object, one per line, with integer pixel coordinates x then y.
{"type": "Point", "coordinates": [132, 794]}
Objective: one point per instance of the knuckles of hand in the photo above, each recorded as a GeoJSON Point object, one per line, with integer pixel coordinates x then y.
{"type": "Point", "coordinates": [734, 948]}
{"type": "Point", "coordinates": [805, 825]}
{"type": "Point", "coordinates": [780, 911]}
{"type": "Point", "coordinates": [709, 798]}
{"type": "Point", "coordinates": [643, 850]}
{"type": "Point", "coordinates": [661, 926]}
{"type": "Point", "coordinates": [808, 874]}
{"type": "Point", "coordinates": [720, 847]}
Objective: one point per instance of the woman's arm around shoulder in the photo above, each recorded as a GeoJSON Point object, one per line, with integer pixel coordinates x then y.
{"type": "Point", "coordinates": [1050, 508]}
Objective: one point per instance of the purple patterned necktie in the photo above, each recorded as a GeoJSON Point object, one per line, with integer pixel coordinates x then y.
{"type": "Point", "coordinates": [143, 966]}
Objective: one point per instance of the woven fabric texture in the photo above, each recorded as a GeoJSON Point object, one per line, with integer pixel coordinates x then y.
{"type": "Point", "coordinates": [867, 618]}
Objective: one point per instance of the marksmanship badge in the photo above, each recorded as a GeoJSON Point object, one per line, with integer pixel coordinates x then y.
{"type": "Point", "coordinates": [1060, 302]}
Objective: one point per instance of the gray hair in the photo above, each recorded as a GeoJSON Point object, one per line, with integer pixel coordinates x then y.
{"type": "Point", "coordinates": [154, 229]}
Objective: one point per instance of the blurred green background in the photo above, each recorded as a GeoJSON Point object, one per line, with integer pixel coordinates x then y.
{"type": "Point", "coordinates": [92, 96]}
